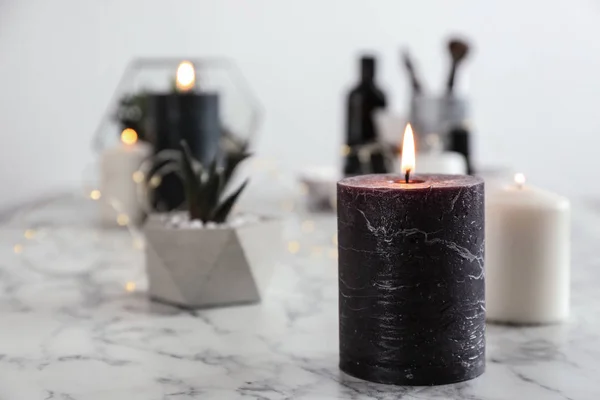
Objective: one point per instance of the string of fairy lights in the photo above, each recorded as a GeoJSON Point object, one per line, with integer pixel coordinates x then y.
{"type": "Point", "coordinates": [296, 247]}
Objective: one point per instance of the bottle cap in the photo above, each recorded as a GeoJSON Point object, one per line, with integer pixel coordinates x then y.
{"type": "Point", "coordinates": [367, 62]}
{"type": "Point", "coordinates": [367, 67]}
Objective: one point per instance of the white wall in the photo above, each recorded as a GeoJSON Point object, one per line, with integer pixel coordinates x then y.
{"type": "Point", "coordinates": [534, 80]}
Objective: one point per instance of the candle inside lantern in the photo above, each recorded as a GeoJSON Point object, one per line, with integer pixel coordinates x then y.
{"type": "Point", "coordinates": [189, 114]}
{"type": "Point", "coordinates": [185, 77]}
{"type": "Point", "coordinates": [527, 255]}
{"type": "Point", "coordinates": [118, 186]}
{"type": "Point", "coordinates": [411, 278]}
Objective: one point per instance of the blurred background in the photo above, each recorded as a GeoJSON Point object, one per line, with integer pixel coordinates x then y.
{"type": "Point", "coordinates": [532, 78]}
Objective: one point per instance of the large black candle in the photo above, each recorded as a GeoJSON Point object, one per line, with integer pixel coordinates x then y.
{"type": "Point", "coordinates": [411, 278]}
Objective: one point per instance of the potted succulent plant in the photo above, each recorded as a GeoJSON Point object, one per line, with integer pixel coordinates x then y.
{"type": "Point", "coordinates": [200, 257]}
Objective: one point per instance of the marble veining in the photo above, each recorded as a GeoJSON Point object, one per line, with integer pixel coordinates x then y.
{"type": "Point", "coordinates": [71, 331]}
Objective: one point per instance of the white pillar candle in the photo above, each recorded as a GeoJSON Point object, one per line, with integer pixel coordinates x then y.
{"type": "Point", "coordinates": [495, 177]}
{"type": "Point", "coordinates": [119, 180]}
{"type": "Point", "coordinates": [527, 255]}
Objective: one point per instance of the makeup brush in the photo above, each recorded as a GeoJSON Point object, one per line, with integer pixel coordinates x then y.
{"type": "Point", "coordinates": [458, 52]}
{"type": "Point", "coordinates": [416, 85]}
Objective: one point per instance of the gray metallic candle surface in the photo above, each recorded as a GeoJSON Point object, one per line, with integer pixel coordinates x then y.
{"type": "Point", "coordinates": [411, 278]}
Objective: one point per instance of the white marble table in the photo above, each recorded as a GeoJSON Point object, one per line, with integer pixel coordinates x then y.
{"type": "Point", "coordinates": [71, 331]}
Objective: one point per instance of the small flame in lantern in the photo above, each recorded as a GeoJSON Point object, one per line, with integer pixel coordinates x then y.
{"type": "Point", "coordinates": [520, 180]}
{"type": "Point", "coordinates": [408, 153]}
{"type": "Point", "coordinates": [186, 76]}
{"type": "Point", "coordinates": [129, 136]}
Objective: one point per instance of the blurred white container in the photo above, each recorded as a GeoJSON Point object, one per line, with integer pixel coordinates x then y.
{"type": "Point", "coordinates": [321, 185]}
{"type": "Point", "coordinates": [390, 126]}
{"type": "Point", "coordinates": [447, 162]}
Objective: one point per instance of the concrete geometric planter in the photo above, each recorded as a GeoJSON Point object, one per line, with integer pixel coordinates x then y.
{"type": "Point", "coordinates": [196, 268]}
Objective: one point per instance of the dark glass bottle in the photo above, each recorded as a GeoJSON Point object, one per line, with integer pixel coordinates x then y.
{"type": "Point", "coordinates": [361, 130]}
{"type": "Point", "coordinates": [459, 138]}
{"type": "Point", "coordinates": [457, 128]}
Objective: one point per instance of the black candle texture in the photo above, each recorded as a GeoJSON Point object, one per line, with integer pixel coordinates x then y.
{"type": "Point", "coordinates": [189, 116]}
{"type": "Point", "coordinates": [411, 278]}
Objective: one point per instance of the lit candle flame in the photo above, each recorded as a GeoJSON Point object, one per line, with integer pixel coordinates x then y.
{"type": "Point", "coordinates": [129, 136]}
{"type": "Point", "coordinates": [520, 180]}
{"type": "Point", "coordinates": [186, 76]}
{"type": "Point", "coordinates": [408, 153]}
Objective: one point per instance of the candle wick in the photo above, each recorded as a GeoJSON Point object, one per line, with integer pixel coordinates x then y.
{"type": "Point", "coordinates": [407, 175]}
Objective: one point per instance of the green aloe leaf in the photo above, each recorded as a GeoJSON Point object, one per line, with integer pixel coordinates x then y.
{"type": "Point", "coordinates": [166, 169]}
{"type": "Point", "coordinates": [161, 160]}
{"type": "Point", "coordinates": [191, 180]}
{"type": "Point", "coordinates": [233, 159]}
{"type": "Point", "coordinates": [166, 155]}
{"type": "Point", "coordinates": [222, 212]}
{"type": "Point", "coordinates": [210, 191]}
{"type": "Point", "coordinates": [170, 155]}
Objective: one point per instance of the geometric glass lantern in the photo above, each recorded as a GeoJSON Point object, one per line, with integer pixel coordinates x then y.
{"type": "Point", "coordinates": [240, 111]}
{"type": "Point", "coordinates": [206, 102]}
